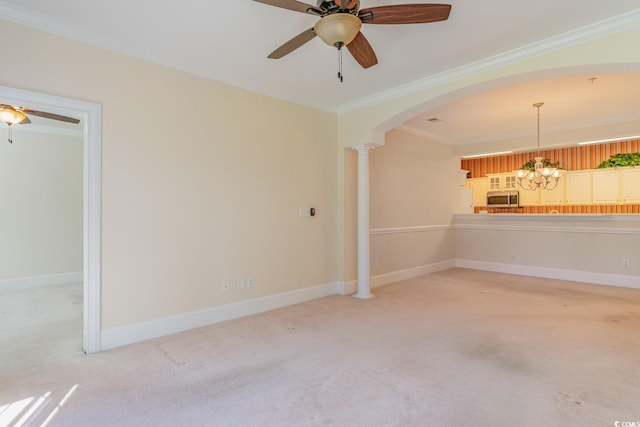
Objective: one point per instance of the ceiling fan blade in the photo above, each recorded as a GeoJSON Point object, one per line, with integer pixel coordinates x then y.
{"type": "Point", "coordinates": [362, 51]}
{"type": "Point", "coordinates": [25, 121]}
{"type": "Point", "coordinates": [51, 116]}
{"type": "Point", "coordinates": [405, 14]}
{"type": "Point", "coordinates": [293, 44]}
{"type": "Point", "coordinates": [294, 5]}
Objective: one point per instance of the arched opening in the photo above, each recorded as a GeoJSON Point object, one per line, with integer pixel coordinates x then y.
{"type": "Point", "coordinates": [386, 129]}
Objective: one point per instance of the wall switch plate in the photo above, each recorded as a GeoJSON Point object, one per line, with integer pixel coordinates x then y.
{"type": "Point", "coordinates": [250, 282]}
{"type": "Point", "coordinates": [625, 263]}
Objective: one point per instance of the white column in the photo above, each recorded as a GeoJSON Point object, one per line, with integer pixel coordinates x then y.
{"type": "Point", "coordinates": [364, 290]}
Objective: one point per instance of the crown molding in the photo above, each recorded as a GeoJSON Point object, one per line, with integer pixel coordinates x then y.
{"type": "Point", "coordinates": [589, 32]}
{"type": "Point", "coordinates": [53, 26]}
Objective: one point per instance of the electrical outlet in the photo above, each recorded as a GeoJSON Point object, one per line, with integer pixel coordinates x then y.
{"type": "Point", "coordinates": [226, 287]}
{"type": "Point", "coordinates": [250, 282]}
{"type": "Point", "coordinates": [512, 254]}
{"type": "Point", "coordinates": [625, 263]}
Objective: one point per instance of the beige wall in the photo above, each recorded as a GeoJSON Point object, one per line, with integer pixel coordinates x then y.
{"type": "Point", "coordinates": [414, 186]}
{"type": "Point", "coordinates": [41, 204]}
{"type": "Point", "coordinates": [350, 215]}
{"type": "Point", "coordinates": [201, 182]}
{"type": "Point", "coordinates": [580, 243]}
{"type": "Point", "coordinates": [414, 182]}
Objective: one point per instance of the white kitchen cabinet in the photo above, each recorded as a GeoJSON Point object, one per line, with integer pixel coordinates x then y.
{"type": "Point", "coordinates": [577, 187]}
{"type": "Point", "coordinates": [630, 185]}
{"type": "Point", "coordinates": [465, 201]}
{"type": "Point", "coordinates": [606, 186]}
{"type": "Point", "coordinates": [529, 197]}
{"type": "Point", "coordinates": [479, 186]}
{"type": "Point", "coordinates": [510, 182]}
{"type": "Point", "coordinates": [555, 196]}
{"type": "Point", "coordinates": [502, 181]}
{"type": "Point", "coordinates": [495, 183]}
{"type": "Point", "coordinates": [582, 187]}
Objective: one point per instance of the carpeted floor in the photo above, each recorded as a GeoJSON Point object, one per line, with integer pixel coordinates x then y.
{"type": "Point", "coordinates": [455, 348]}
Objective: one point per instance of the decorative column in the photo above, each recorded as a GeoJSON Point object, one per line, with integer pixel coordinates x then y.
{"type": "Point", "coordinates": [364, 290]}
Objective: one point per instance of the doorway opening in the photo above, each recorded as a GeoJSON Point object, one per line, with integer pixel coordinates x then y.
{"type": "Point", "coordinates": [90, 117]}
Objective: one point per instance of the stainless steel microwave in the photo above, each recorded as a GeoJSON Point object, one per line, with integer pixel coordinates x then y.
{"type": "Point", "coordinates": [503, 199]}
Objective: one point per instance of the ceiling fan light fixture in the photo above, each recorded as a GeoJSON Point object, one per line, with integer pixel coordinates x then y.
{"type": "Point", "coordinates": [11, 116]}
{"type": "Point", "coordinates": [338, 29]}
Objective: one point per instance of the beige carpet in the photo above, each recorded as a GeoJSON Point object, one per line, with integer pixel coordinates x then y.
{"type": "Point", "coordinates": [455, 348]}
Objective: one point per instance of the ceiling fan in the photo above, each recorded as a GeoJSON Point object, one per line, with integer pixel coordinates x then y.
{"type": "Point", "coordinates": [13, 115]}
{"type": "Point", "coordinates": [340, 22]}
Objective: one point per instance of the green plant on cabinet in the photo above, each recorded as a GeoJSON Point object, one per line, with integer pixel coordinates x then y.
{"type": "Point", "coordinates": [621, 160]}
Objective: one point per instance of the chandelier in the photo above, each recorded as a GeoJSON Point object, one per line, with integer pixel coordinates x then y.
{"type": "Point", "coordinates": [545, 177]}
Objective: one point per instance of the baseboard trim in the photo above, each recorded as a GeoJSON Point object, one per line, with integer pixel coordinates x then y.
{"type": "Point", "coordinates": [347, 288]}
{"type": "Point", "coordinates": [142, 331]}
{"type": "Point", "coordinates": [410, 273]}
{"type": "Point", "coordinates": [40, 281]}
{"type": "Point", "coordinates": [351, 287]}
{"type": "Point", "coordinates": [415, 229]}
{"type": "Point", "coordinates": [552, 273]}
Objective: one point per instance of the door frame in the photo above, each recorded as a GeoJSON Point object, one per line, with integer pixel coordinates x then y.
{"type": "Point", "coordinates": [90, 115]}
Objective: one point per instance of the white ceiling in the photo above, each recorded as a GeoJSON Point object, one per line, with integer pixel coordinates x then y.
{"type": "Point", "coordinates": [609, 101]}
{"type": "Point", "coordinates": [229, 41]}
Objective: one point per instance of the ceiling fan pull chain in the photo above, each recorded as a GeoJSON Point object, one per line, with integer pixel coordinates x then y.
{"type": "Point", "coordinates": [340, 63]}
{"type": "Point", "coordinates": [10, 135]}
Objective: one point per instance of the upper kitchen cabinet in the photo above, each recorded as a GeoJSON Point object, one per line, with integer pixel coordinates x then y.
{"type": "Point", "coordinates": [529, 197]}
{"type": "Point", "coordinates": [578, 187]}
{"type": "Point", "coordinates": [554, 196]}
{"type": "Point", "coordinates": [502, 181]}
{"type": "Point", "coordinates": [630, 185]}
{"type": "Point", "coordinates": [606, 186]}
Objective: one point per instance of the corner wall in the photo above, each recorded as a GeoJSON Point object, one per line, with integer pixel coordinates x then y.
{"type": "Point", "coordinates": [414, 186]}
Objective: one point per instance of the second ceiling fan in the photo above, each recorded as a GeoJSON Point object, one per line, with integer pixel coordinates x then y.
{"type": "Point", "coordinates": [340, 22]}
